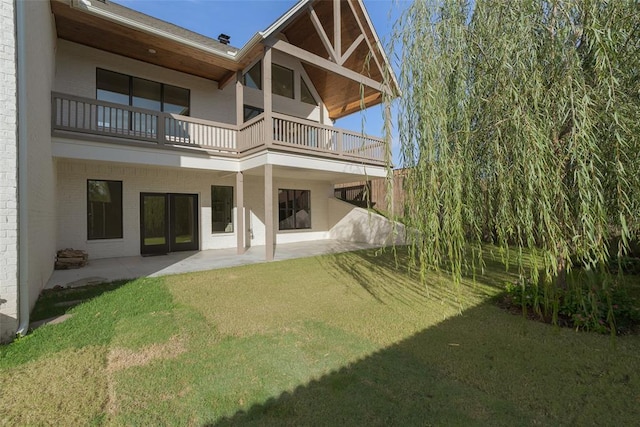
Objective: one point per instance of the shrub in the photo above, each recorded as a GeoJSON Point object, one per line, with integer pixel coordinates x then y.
{"type": "Point", "coordinates": [590, 303]}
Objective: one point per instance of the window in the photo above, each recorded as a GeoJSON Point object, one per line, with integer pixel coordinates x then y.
{"type": "Point", "coordinates": [253, 77]}
{"type": "Point", "coordinates": [281, 81]}
{"type": "Point", "coordinates": [305, 93]}
{"type": "Point", "coordinates": [104, 209]}
{"type": "Point", "coordinates": [137, 92]}
{"type": "Point", "coordinates": [251, 112]}
{"type": "Point", "coordinates": [294, 209]}
{"type": "Point", "coordinates": [221, 209]}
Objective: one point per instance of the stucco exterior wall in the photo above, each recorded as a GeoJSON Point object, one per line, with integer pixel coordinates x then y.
{"type": "Point", "coordinates": [76, 75]}
{"type": "Point", "coordinates": [353, 224]}
{"type": "Point", "coordinates": [72, 179]}
{"type": "Point", "coordinates": [8, 175]}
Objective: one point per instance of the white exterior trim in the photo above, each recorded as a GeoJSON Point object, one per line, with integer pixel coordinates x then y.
{"type": "Point", "coordinates": [306, 162]}
{"type": "Point", "coordinates": [85, 150]}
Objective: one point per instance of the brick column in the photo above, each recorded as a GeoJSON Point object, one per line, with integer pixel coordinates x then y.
{"type": "Point", "coordinates": [8, 175]}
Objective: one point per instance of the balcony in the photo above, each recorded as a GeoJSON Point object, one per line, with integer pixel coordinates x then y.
{"type": "Point", "coordinates": [74, 116]}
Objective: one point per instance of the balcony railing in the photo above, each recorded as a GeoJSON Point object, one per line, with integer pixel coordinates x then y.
{"type": "Point", "coordinates": [106, 120]}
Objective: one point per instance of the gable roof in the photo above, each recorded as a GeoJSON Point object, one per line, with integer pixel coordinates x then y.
{"type": "Point", "coordinates": [311, 26]}
{"type": "Point", "coordinates": [308, 25]}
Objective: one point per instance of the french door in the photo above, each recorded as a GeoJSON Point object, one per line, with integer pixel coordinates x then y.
{"type": "Point", "coordinates": [168, 223]}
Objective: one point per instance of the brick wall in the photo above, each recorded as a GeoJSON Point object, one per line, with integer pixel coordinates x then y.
{"type": "Point", "coordinates": [8, 175]}
{"type": "Point", "coordinates": [72, 204]}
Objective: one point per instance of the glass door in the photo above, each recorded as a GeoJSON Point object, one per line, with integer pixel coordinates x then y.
{"type": "Point", "coordinates": [154, 224]}
{"type": "Point", "coordinates": [183, 214]}
{"type": "Point", "coordinates": [168, 223]}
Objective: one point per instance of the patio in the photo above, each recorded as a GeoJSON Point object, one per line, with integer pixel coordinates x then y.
{"type": "Point", "coordinates": [109, 269]}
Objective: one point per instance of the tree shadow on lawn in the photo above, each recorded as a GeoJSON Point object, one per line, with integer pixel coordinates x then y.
{"type": "Point", "coordinates": [58, 301]}
{"type": "Point", "coordinates": [384, 274]}
{"type": "Point", "coordinates": [485, 367]}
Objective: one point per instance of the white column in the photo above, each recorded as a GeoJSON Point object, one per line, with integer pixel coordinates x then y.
{"type": "Point", "coordinates": [240, 229]}
{"type": "Point", "coordinates": [268, 212]}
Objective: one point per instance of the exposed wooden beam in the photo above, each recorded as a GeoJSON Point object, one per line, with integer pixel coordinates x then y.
{"type": "Point", "coordinates": [352, 48]}
{"type": "Point", "coordinates": [337, 31]}
{"type": "Point", "coordinates": [224, 82]}
{"type": "Point", "coordinates": [362, 30]}
{"type": "Point", "coordinates": [323, 35]}
{"type": "Point", "coordinates": [324, 64]}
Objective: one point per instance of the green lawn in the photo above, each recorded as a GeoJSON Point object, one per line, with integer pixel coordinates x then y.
{"type": "Point", "coordinates": [343, 339]}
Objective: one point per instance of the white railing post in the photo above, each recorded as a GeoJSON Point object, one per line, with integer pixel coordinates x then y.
{"type": "Point", "coordinates": [161, 135]}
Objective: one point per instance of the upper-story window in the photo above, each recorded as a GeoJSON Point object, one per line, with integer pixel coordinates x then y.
{"type": "Point", "coordinates": [128, 90]}
{"type": "Point", "coordinates": [253, 77]}
{"type": "Point", "coordinates": [281, 81]}
{"type": "Point", "coordinates": [305, 93]}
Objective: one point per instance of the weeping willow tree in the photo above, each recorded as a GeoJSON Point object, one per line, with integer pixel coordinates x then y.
{"type": "Point", "coordinates": [519, 124]}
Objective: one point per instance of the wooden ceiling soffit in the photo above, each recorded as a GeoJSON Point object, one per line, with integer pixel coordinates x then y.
{"type": "Point", "coordinates": [83, 28]}
{"type": "Point", "coordinates": [354, 106]}
{"type": "Point", "coordinates": [341, 96]}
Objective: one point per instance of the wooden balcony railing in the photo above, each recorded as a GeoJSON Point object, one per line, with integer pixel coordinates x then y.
{"type": "Point", "coordinates": [105, 119]}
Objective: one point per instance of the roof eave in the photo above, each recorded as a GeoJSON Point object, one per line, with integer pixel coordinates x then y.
{"type": "Point", "coordinates": [104, 14]}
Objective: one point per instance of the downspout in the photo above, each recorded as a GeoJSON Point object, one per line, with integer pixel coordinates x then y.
{"type": "Point", "coordinates": [23, 285]}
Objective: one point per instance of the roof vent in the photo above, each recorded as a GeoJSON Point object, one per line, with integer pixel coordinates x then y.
{"type": "Point", "coordinates": [223, 38]}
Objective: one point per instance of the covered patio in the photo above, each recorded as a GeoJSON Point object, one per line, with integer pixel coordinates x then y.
{"type": "Point", "coordinates": [109, 269]}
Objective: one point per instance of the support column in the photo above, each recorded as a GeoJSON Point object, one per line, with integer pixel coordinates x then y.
{"type": "Point", "coordinates": [239, 99]}
{"type": "Point", "coordinates": [240, 229]}
{"type": "Point", "coordinates": [269, 233]}
{"type": "Point", "coordinates": [267, 98]}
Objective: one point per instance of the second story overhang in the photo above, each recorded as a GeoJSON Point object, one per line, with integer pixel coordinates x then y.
{"type": "Point", "coordinates": [334, 40]}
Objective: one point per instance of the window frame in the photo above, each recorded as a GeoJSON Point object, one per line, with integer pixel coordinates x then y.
{"type": "Point", "coordinates": [231, 207]}
{"type": "Point", "coordinates": [121, 234]}
{"type": "Point", "coordinates": [303, 86]}
{"type": "Point", "coordinates": [258, 66]}
{"type": "Point", "coordinates": [247, 107]}
{"type": "Point", "coordinates": [293, 209]}
{"type": "Point", "coordinates": [130, 90]}
{"type": "Point", "coordinates": [293, 79]}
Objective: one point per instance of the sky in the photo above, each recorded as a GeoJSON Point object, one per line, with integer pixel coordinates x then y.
{"type": "Point", "coordinates": [241, 19]}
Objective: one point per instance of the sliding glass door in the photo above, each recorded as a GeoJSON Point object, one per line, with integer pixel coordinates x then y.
{"type": "Point", "coordinates": [168, 223]}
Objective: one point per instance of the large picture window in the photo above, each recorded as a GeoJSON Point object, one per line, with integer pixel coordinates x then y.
{"type": "Point", "coordinates": [294, 209]}
{"type": "Point", "coordinates": [281, 81]}
{"type": "Point", "coordinates": [104, 209]}
{"type": "Point", "coordinates": [221, 209]}
{"type": "Point", "coordinates": [134, 91]}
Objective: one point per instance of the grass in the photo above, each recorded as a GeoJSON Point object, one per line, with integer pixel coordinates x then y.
{"type": "Point", "coordinates": [340, 339]}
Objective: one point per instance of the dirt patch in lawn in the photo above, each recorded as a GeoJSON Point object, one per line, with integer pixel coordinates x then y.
{"type": "Point", "coordinates": [121, 358]}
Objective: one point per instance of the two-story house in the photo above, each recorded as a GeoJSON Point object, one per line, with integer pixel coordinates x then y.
{"type": "Point", "coordinates": [124, 135]}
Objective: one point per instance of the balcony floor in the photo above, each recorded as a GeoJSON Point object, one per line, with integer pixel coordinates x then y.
{"type": "Point", "coordinates": [109, 269]}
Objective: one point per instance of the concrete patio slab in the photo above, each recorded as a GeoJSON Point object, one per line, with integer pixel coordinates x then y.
{"type": "Point", "coordinates": [109, 269]}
